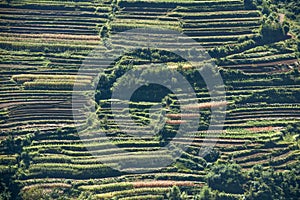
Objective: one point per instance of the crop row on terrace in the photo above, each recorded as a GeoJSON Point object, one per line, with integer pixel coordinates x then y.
{"type": "Point", "coordinates": [52, 48]}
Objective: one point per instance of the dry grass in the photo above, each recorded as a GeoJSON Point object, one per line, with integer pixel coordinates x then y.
{"type": "Point", "coordinates": [162, 184]}
{"type": "Point", "coordinates": [212, 104]}
{"type": "Point", "coordinates": [182, 116]}
{"type": "Point", "coordinates": [175, 122]}
{"type": "Point", "coordinates": [260, 129]}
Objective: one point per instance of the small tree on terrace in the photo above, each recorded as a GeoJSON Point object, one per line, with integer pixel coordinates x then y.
{"type": "Point", "coordinates": [175, 194]}
{"type": "Point", "coordinates": [271, 31]}
{"type": "Point", "coordinates": [226, 178]}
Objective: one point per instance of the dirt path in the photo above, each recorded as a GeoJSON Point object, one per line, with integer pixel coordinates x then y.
{"type": "Point", "coordinates": [281, 17]}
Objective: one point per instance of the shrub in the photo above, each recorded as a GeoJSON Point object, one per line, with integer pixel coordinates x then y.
{"type": "Point", "coordinates": [226, 178]}
{"type": "Point", "coordinates": [271, 31]}
{"type": "Point", "coordinates": [266, 184]}
{"type": "Point", "coordinates": [206, 194]}
{"type": "Point", "coordinates": [227, 50]}
{"type": "Point", "coordinates": [175, 194]}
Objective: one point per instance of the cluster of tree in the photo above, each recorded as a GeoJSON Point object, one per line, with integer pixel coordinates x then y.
{"type": "Point", "coordinates": [15, 169]}
{"type": "Point", "coordinates": [226, 178]}
{"type": "Point", "coordinates": [268, 184]}
{"type": "Point", "coordinates": [225, 50]}
{"type": "Point", "coordinates": [9, 188]}
{"type": "Point", "coordinates": [14, 145]}
{"type": "Point", "coordinates": [292, 129]}
{"type": "Point", "coordinates": [271, 29]}
{"type": "Point", "coordinates": [257, 183]}
{"type": "Point", "coordinates": [291, 7]}
{"type": "Point", "coordinates": [273, 95]}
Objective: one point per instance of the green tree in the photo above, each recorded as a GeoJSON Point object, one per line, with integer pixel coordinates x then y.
{"type": "Point", "coordinates": [5, 194]}
{"type": "Point", "coordinates": [227, 178]}
{"type": "Point", "coordinates": [286, 28]}
{"type": "Point", "coordinates": [175, 194]}
{"type": "Point", "coordinates": [271, 31]}
{"type": "Point", "coordinates": [268, 184]}
{"type": "Point", "coordinates": [265, 7]}
{"type": "Point", "coordinates": [206, 194]}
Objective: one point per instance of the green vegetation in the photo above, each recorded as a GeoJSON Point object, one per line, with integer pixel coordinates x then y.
{"type": "Point", "coordinates": [255, 44]}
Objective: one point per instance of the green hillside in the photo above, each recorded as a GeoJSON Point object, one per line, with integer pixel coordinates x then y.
{"type": "Point", "coordinates": [255, 46]}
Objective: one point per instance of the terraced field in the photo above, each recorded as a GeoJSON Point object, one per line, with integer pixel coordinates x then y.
{"type": "Point", "coordinates": [44, 43]}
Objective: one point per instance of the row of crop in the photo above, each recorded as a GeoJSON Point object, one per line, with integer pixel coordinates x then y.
{"type": "Point", "coordinates": [223, 23]}
{"type": "Point", "coordinates": [273, 161]}
{"type": "Point", "coordinates": [50, 40]}
{"type": "Point", "coordinates": [132, 192]}
{"type": "Point", "coordinates": [147, 22]}
{"type": "Point", "coordinates": [295, 155]}
{"type": "Point", "coordinates": [47, 185]}
{"type": "Point", "coordinates": [61, 170]}
{"type": "Point", "coordinates": [225, 38]}
{"type": "Point", "coordinates": [200, 33]}
{"type": "Point", "coordinates": [63, 30]}
{"type": "Point", "coordinates": [240, 19]}
{"type": "Point", "coordinates": [258, 82]}
{"type": "Point", "coordinates": [126, 160]}
{"type": "Point", "coordinates": [242, 136]}
{"type": "Point", "coordinates": [46, 18]}
{"type": "Point", "coordinates": [257, 115]}
{"type": "Point", "coordinates": [144, 197]}
{"type": "Point", "coordinates": [263, 59]}
{"type": "Point", "coordinates": [112, 187]}
{"type": "Point", "coordinates": [39, 118]}
{"type": "Point", "coordinates": [125, 26]}
{"type": "Point", "coordinates": [212, 8]}
{"type": "Point", "coordinates": [52, 36]}
{"type": "Point", "coordinates": [59, 85]}
{"type": "Point", "coordinates": [55, 5]}
{"type": "Point", "coordinates": [30, 122]}
{"type": "Point", "coordinates": [214, 15]}
{"type": "Point", "coordinates": [105, 151]}
{"type": "Point", "coordinates": [46, 26]}
{"type": "Point", "coordinates": [259, 54]}
{"type": "Point", "coordinates": [265, 107]}
{"type": "Point", "coordinates": [21, 78]}
{"type": "Point", "coordinates": [184, 5]}
{"type": "Point", "coordinates": [44, 21]}
{"type": "Point", "coordinates": [94, 146]}
{"type": "Point", "coordinates": [38, 47]}
{"type": "Point", "coordinates": [274, 95]}
{"type": "Point", "coordinates": [260, 115]}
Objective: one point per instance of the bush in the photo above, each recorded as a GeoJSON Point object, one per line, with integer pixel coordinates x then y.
{"type": "Point", "coordinates": [271, 31]}
{"type": "Point", "coordinates": [286, 28]}
{"type": "Point", "coordinates": [226, 178]}
{"type": "Point", "coordinates": [273, 95]}
{"type": "Point", "coordinates": [206, 194]}
{"type": "Point", "coordinates": [176, 194]}
{"type": "Point", "coordinates": [268, 184]}
{"type": "Point", "coordinates": [227, 50]}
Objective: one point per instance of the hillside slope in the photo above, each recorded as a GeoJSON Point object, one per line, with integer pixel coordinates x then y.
{"type": "Point", "coordinates": [43, 44]}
